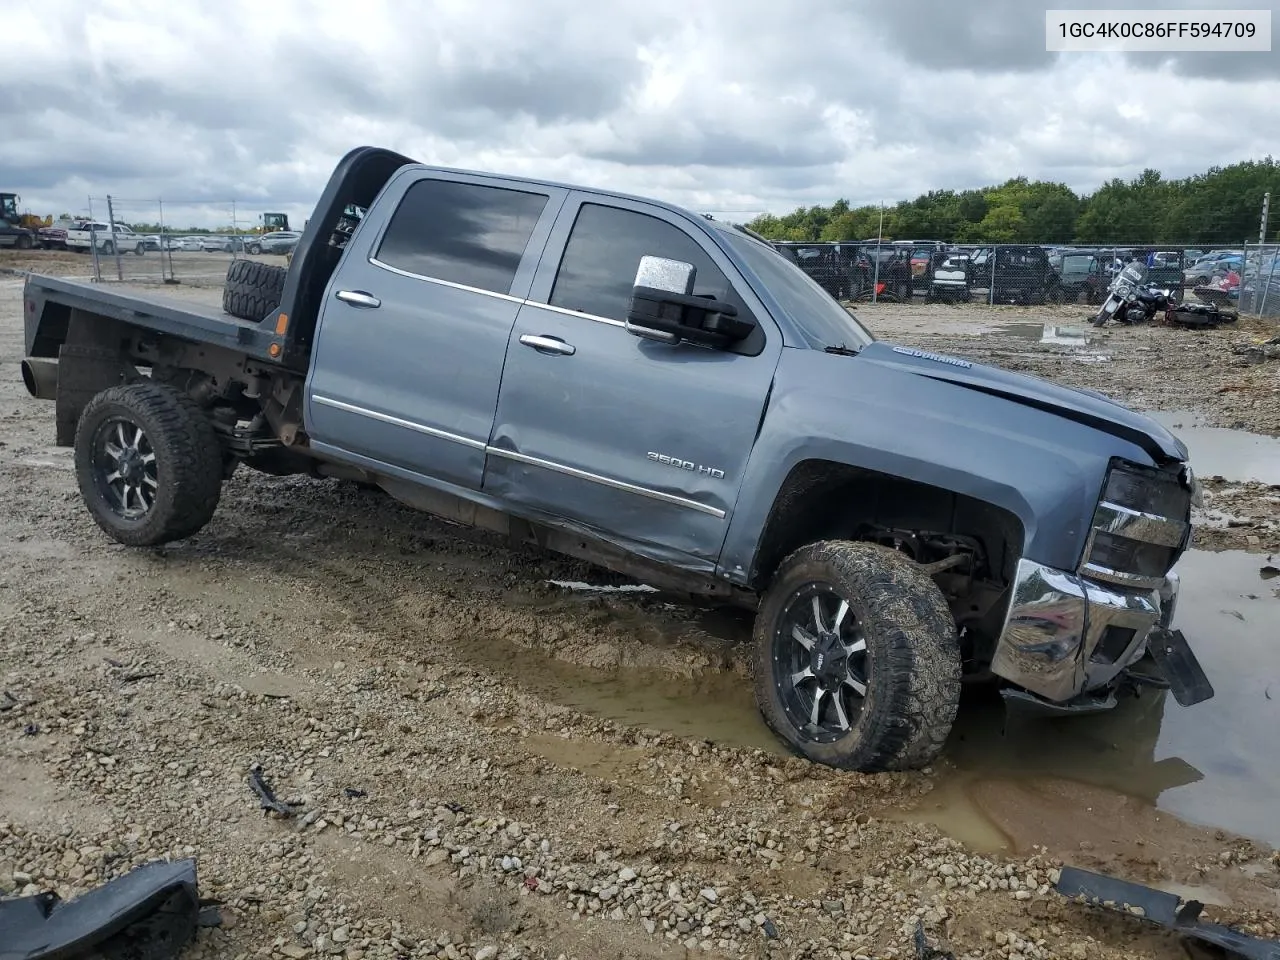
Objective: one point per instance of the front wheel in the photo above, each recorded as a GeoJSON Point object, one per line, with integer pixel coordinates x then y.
{"type": "Point", "coordinates": [856, 658]}
{"type": "Point", "coordinates": [148, 464]}
{"type": "Point", "coordinates": [23, 242]}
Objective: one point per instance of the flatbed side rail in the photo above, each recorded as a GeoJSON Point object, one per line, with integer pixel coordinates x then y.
{"type": "Point", "coordinates": [258, 341]}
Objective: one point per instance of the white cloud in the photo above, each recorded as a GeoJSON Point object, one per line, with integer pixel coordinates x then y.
{"type": "Point", "coordinates": [730, 105]}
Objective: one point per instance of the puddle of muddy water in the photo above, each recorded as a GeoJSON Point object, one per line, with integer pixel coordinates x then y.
{"type": "Point", "coordinates": [1216, 764]}
{"type": "Point", "coordinates": [717, 705]}
{"type": "Point", "coordinates": [1057, 334]}
{"type": "Point", "coordinates": [1217, 451]}
{"type": "Point", "coordinates": [1066, 336]}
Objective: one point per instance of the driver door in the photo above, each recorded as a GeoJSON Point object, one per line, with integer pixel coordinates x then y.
{"type": "Point", "coordinates": [641, 441]}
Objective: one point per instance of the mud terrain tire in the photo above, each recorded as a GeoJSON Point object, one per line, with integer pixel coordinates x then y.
{"type": "Point", "coordinates": [178, 445]}
{"type": "Point", "coordinates": [910, 660]}
{"type": "Point", "coordinates": [253, 290]}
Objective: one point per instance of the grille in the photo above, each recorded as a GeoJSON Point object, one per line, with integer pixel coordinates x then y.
{"type": "Point", "coordinates": [1140, 527]}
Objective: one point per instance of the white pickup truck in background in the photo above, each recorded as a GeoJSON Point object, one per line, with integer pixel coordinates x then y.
{"type": "Point", "coordinates": [96, 233]}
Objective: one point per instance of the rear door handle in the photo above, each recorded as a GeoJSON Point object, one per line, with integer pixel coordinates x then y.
{"type": "Point", "coordinates": [549, 344]}
{"type": "Point", "coordinates": [358, 298]}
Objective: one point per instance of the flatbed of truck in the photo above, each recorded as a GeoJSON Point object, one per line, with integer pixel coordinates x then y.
{"type": "Point", "coordinates": [184, 317]}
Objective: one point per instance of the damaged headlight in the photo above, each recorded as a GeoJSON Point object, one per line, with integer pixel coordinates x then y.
{"type": "Point", "coordinates": [1192, 483]}
{"type": "Point", "coordinates": [1140, 525]}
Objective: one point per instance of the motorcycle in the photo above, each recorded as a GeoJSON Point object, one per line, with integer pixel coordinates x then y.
{"type": "Point", "coordinates": [1131, 300]}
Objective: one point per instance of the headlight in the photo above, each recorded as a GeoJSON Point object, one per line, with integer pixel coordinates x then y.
{"type": "Point", "coordinates": [1131, 297]}
{"type": "Point", "coordinates": [1193, 484]}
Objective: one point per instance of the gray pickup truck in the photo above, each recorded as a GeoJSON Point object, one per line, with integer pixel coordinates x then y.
{"type": "Point", "coordinates": [665, 395]}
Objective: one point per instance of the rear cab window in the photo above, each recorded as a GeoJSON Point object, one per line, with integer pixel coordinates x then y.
{"type": "Point", "coordinates": [467, 234]}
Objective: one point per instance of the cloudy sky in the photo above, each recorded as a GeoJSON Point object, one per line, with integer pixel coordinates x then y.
{"type": "Point", "coordinates": [731, 106]}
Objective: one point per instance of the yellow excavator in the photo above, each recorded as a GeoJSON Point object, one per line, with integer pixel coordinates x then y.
{"type": "Point", "coordinates": [19, 229]}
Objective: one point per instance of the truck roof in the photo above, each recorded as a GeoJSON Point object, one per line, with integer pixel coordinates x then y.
{"type": "Point", "coordinates": [597, 191]}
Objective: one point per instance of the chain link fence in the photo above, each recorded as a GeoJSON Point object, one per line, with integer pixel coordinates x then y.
{"type": "Point", "coordinates": [1259, 294]}
{"type": "Point", "coordinates": [1035, 274]}
{"type": "Point", "coordinates": [160, 241]}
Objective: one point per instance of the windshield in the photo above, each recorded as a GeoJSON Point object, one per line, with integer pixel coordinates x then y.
{"type": "Point", "coordinates": [1134, 272]}
{"type": "Point", "coordinates": [820, 319]}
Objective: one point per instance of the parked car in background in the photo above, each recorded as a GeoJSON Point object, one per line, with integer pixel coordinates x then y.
{"type": "Point", "coordinates": [182, 244]}
{"type": "Point", "coordinates": [218, 244]}
{"type": "Point", "coordinates": [90, 234]}
{"type": "Point", "coordinates": [283, 241]}
{"type": "Point", "coordinates": [1081, 273]}
{"type": "Point", "coordinates": [1023, 275]}
{"type": "Point", "coordinates": [1203, 270]}
{"type": "Point", "coordinates": [54, 237]}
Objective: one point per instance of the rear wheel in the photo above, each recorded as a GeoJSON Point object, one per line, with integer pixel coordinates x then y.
{"type": "Point", "coordinates": [139, 250]}
{"type": "Point", "coordinates": [108, 248]}
{"type": "Point", "coordinates": [23, 242]}
{"type": "Point", "coordinates": [253, 290]}
{"type": "Point", "coordinates": [856, 658]}
{"type": "Point", "coordinates": [148, 464]}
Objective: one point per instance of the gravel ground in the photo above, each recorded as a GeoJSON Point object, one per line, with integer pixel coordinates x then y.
{"type": "Point", "coordinates": [417, 690]}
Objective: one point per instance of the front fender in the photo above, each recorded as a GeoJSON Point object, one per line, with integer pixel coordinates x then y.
{"type": "Point", "coordinates": [1044, 469]}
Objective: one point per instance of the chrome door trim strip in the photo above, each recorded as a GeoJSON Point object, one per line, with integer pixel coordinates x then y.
{"type": "Point", "coordinates": [445, 283]}
{"type": "Point", "coordinates": [398, 422]}
{"type": "Point", "coordinates": [574, 313]}
{"type": "Point", "coordinates": [607, 481]}
{"type": "Point", "coordinates": [523, 301]}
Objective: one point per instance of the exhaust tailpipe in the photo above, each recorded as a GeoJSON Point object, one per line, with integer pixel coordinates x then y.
{"type": "Point", "coordinates": [41, 378]}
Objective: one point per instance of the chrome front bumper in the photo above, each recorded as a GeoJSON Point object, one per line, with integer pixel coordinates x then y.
{"type": "Point", "coordinates": [1064, 634]}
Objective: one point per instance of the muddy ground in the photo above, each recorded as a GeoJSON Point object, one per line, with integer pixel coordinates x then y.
{"type": "Point", "coordinates": [489, 765]}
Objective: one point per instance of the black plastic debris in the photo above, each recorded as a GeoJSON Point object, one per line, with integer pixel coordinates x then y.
{"type": "Point", "coordinates": [31, 729]}
{"type": "Point", "coordinates": [1165, 909]}
{"type": "Point", "coordinates": [351, 793]}
{"type": "Point", "coordinates": [927, 951]}
{"type": "Point", "coordinates": [266, 797]}
{"type": "Point", "coordinates": [150, 913]}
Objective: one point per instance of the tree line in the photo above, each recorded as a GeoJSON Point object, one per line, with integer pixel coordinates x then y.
{"type": "Point", "coordinates": [1220, 206]}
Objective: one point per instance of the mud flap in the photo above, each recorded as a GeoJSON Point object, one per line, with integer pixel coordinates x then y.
{"type": "Point", "coordinates": [1177, 663]}
{"type": "Point", "coordinates": [151, 912]}
{"type": "Point", "coordinates": [1165, 909]}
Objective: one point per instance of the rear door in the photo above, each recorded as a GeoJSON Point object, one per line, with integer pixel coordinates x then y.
{"type": "Point", "coordinates": [643, 441]}
{"type": "Point", "coordinates": [414, 325]}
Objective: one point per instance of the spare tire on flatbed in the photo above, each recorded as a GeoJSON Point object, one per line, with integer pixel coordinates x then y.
{"type": "Point", "coordinates": [253, 290]}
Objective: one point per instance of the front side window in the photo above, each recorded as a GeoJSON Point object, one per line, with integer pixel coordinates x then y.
{"type": "Point", "coordinates": [461, 232]}
{"type": "Point", "coordinates": [598, 268]}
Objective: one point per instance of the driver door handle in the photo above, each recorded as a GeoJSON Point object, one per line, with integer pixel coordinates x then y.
{"type": "Point", "coordinates": [358, 298]}
{"type": "Point", "coordinates": [548, 344]}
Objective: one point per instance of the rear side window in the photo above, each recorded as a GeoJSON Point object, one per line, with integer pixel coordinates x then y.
{"type": "Point", "coordinates": [598, 269]}
{"type": "Point", "coordinates": [461, 232]}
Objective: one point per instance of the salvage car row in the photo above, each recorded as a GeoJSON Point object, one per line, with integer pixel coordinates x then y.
{"type": "Point", "coordinates": [85, 235]}
{"type": "Point", "coordinates": [1012, 273]}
